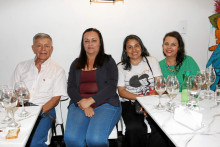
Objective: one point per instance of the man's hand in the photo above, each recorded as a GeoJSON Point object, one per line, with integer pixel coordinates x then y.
{"type": "Point", "coordinates": [51, 104]}
{"type": "Point", "coordinates": [85, 103]}
{"type": "Point", "coordinates": [89, 112]}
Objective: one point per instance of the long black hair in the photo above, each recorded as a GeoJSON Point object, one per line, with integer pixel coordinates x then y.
{"type": "Point", "coordinates": [99, 60]}
{"type": "Point", "coordinates": [125, 60]}
{"type": "Point", "coordinates": [181, 52]}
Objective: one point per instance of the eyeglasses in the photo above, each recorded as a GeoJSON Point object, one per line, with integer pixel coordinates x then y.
{"type": "Point", "coordinates": [42, 46]}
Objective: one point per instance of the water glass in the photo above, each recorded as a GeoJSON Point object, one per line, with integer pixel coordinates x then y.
{"type": "Point", "coordinates": [10, 102]}
{"type": "Point", "coordinates": [160, 87]}
{"type": "Point", "coordinates": [4, 89]}
{"type": "Point", "coordinates": [200, 82]}
{"type": "Point", "coordinates": [23, 95]}
{"type": "Point", "coordinates": [210, 79]}
{"type": "Point", "coordinates": [193, 92]}
{"type": "Point", "coordinates": [217, 94]}
{"type": "Point", "coordinates": [172, 84]}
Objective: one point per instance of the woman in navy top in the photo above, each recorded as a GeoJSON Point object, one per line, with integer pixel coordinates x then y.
{"type": "Point", "coordinates": [94, 108]}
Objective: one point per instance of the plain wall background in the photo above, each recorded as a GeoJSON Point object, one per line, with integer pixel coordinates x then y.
{"type": "Point", "coordinates": [65, 21]}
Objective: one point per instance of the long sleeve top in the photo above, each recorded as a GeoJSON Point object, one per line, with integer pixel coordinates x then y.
{"type": "Point", "coordinates": [106, 78]}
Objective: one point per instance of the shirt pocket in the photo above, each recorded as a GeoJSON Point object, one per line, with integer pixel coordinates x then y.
{"type": "Point", "coordinates": [46, 86]}
{"type": "Point", "coordinates": [28, 80]}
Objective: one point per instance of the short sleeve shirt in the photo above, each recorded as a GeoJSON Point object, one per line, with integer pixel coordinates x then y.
{"type": "Point", "coordinates": [43, 85]}
{"type": "Point", "coordinates": [139, 80]}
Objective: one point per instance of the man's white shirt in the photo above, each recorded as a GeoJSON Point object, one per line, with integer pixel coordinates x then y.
{"type": "Point", "coordinates": [49, 82]}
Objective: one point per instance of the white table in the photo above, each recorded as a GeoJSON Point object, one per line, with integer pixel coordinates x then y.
{"type": "Point", "coordinates": [181, 136]}
{"type": "Point", "coordinates": [26, 126]}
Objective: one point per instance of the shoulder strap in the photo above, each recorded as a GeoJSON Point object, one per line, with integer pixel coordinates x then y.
{"type": "Point", "coordinates": [149, 65]}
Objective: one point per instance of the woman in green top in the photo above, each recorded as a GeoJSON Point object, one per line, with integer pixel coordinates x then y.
{"type": "Point", "coordinates": [176, 62]}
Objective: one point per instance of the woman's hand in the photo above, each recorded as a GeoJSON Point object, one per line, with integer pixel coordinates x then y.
{"type": "Point", "coordinates": [145, 113]}
{"type": "Point", "coordinates": [154, 92]}
{"type": "Point", "coordinates": [89, 112]}
{"type": "Point", "coordinates": [85, 103]}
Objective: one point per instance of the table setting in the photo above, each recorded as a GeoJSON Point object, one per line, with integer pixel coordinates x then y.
{"type": "Point", "coordinates": [16, 123]}
{"type": "Point", "coordinates": [189, 121]}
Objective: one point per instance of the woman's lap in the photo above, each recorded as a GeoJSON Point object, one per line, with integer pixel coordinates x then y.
{"type": "Point", "coordinates": [136, 129]}
{"type": "Point", "coordinates": [95, 130]}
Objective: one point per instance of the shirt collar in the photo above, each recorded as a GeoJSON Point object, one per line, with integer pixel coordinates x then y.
{"type": "Point", "coordinates": [45, 64]}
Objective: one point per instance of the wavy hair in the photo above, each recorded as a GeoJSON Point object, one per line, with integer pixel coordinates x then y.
{"type": "Point", "coordinates": [42, 36]}
{"type": "Point", "coordinates": [125, 60]}
{"type": "Point", "coordinates": [181, 52]}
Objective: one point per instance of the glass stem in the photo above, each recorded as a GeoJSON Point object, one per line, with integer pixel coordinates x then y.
{"type": "Point", "coordinates": [159, 100]}
{"type": "Point", "coordinates": [12, 115]}
{"type": "Point", "coordinates": [208, 88]}
{"type": "Point", "coordinates": [22, 102]}
{"type": "Point", "coordinates": [7, 113]}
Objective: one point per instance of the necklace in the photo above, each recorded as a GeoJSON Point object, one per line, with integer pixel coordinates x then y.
{"type": "Point", "coordinates": [168, 67]}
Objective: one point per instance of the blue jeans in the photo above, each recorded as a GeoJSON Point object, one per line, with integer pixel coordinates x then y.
{"type": "Point", "coordinates": [40, 134]}
{"type": "Point", "coordinates": [83, 131]}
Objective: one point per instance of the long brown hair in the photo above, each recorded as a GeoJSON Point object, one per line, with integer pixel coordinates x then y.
{"type": "Point", "coordinates": [181, 52]}
{"type": "Point", "coordinates": [99, 60]}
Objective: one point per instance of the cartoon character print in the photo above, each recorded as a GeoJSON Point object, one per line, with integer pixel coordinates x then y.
{"type": "Point", "coordinates": [140, 84]}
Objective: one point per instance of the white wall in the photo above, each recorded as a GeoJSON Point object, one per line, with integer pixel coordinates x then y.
{"type": "Point", "coordinates": [65, 21]}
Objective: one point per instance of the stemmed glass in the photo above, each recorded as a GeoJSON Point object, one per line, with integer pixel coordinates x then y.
{"type": "Point", "coordinates": [194, 91]}
{"type": "Point", "coordinates": [210, 79]}
{"type": "Point", "coordinates": [172, 84]}
{"type": "Point", "coordinates": [10, 102]}
{"type": "Point", "coordinates": [217, 94]}
{"type": "Point", "coordinates": [7, 119]}
{"type": "Point", "coordinates": [23, 95]}
{"type": "Point", "coordinates": [200, 80]}
{"type": "Point", "coordinates": [160, 87]}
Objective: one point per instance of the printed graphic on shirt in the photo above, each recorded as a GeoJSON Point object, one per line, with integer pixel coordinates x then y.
{"type": "Point", "coordinates": [140, 84]}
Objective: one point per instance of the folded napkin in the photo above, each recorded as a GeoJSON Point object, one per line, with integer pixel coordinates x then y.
{"type": "Point", "coordinates": [188, 118]}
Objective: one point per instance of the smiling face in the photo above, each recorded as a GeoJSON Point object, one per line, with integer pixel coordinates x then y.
{"type": "Point", "coordinates": [133, 49]}
{"type": "Point", "coordinates": [42, 48]}
{"type": "Point", "coordinates": [170, 46]}
{"type": "Point", "coordinates": [91, 43]}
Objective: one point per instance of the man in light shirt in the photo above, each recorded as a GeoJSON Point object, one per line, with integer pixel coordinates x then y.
{"type": "Point", "coordinates": [46, 82]}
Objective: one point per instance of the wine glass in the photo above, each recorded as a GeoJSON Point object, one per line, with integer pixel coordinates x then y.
{"type": "Point", "coordinates": [193, 92]}
{"type": "Point", "coordinates": [23, 95]}
{"type": "Point", "coordinates": [217, 94]}
{"type": "Point", "coordinates": [172, 84]}
{"type": "Point", "coordinates": [200, 80]}
{"type": "Point", "coordinates": [3, 89]}
{"type": "Point", "coordinates": [160, 87]}
{"type": "Point", "coordinates": [210, 79]}
{"type": "Point", "coordinates": [10, 102]}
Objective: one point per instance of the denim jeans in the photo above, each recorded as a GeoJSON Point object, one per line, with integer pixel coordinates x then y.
{"type": "Point", "coordinates": [40, 134]}
{"type": "Point", "coordinates": [83, 131]}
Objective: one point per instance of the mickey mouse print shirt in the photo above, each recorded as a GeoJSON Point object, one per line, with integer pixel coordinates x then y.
{"type": "Point", "coordinates": [139, 80]}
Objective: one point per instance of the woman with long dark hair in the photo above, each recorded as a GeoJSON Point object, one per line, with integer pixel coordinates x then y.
{"type": "Point", "coordinates": [137, 71]}
{"type": "Point", "coordinates": [176, 62]}
{"type": "Point", "coordinates": [94, 108]}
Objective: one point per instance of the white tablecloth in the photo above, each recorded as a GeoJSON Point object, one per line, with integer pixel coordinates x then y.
{"type": "Point", "coordinates": [181, 136]}
{"type": "Point", "coordinates": [26, 126]}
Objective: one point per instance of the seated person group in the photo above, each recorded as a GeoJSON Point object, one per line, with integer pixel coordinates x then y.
{"type": "Point", "coordinates": [100, 90]}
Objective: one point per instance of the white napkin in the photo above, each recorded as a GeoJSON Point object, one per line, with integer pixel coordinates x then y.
{"type": "Point", "coordinates": [188, 118]}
